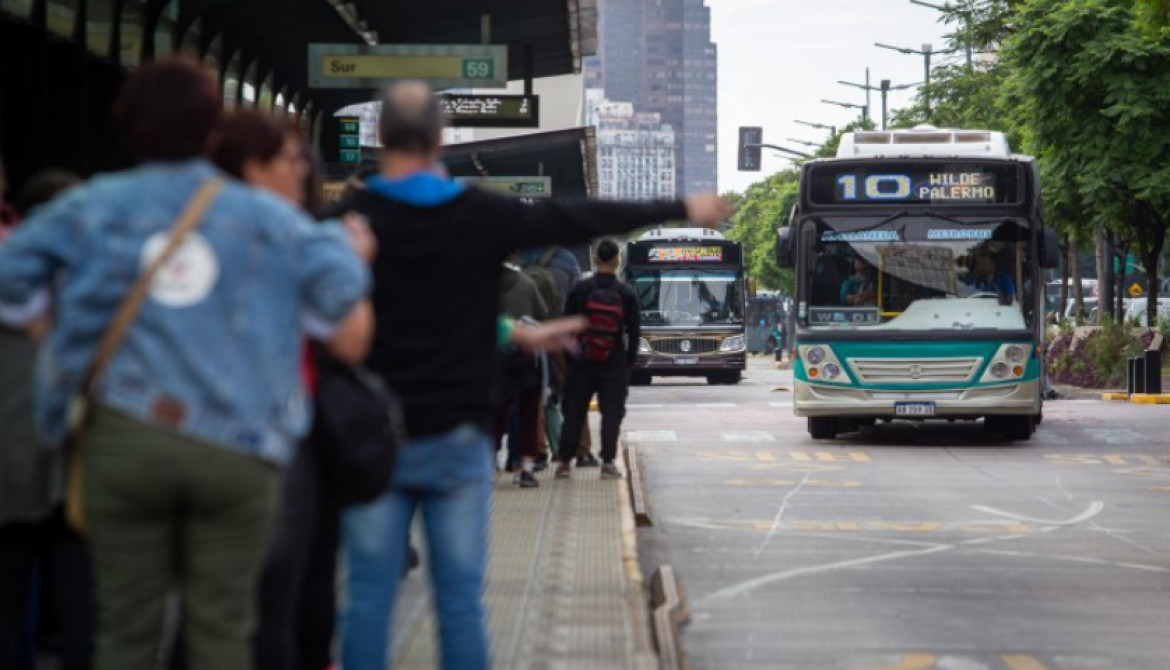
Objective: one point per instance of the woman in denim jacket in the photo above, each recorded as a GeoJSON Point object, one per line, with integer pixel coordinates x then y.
{"type": "Point", "coordinates": [202, 403]}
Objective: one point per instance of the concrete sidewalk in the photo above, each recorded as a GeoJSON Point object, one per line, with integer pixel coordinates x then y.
{"type": "Point", "coordinates": [564, 586]}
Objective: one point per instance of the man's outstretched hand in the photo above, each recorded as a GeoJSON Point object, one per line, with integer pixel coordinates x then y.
{"type": "Point", "coordinates": [708, 210]}
{"type": "Point", "coordinates": [554, 335]}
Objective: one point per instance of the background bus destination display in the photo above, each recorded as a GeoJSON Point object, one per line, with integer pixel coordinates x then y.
{"type": "Point", "coordinates": [914, 184]}
{"type": "Point", "coordinates": [708, 254]}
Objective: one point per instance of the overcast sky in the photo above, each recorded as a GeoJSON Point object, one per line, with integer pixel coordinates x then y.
{"type": "Point", "coordinates": [779, 58]}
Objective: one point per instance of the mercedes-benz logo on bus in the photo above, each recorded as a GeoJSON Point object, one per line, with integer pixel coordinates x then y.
{"type": "Point", "coordinates": [915, 371]}
{"type": "Point", "coordinates": [685, 346]}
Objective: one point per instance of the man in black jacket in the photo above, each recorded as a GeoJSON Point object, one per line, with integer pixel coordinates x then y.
{"type": "Point", "coordinates": [603, 367]}
{"type": "Point", "coordinates": [436, 300]}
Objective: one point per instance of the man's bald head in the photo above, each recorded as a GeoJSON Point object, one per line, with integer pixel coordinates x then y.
{"type": "Point", "coordinates": [411, 119]}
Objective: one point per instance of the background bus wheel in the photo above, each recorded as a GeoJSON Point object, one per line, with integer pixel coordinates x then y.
{"type": "Point", "coordinates": [822, 427]}
{"type": "Point", "coordinates": [639, 379]}
{"type": "Point", "coordinates": [1019, 427]}
{"type": "Point", "coordinates": [770, 346]}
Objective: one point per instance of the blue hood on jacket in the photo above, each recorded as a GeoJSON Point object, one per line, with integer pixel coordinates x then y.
{"type": "Point", "coordinates": [421, 189]}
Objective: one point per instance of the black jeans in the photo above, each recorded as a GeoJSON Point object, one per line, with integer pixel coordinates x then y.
{"type": "Point", "coordinates": [297, 586]}
{"type": "Point", "coordinates": [611, 382]}
{"type": "Point", "coordinates": [65, 573]}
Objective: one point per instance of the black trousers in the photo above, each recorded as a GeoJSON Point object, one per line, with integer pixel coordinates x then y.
{"type": "Point", "coordinates": [60, 556]}
{"type": "Point", "coordinates": [611, 382]}
{"type": "Point", "coordinates": [297, 587]}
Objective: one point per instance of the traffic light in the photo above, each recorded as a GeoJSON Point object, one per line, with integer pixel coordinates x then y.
{"type": "Point", "coordinates": [750, 139]}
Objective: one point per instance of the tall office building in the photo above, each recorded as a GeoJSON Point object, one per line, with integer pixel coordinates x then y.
{"type": "Point", "coordinates": [658, 55]}
{"type": "Point", "coordinates": [635, 151]}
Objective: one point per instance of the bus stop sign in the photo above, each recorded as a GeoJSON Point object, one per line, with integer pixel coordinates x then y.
{"type": "Point", "coordinates": [360, 66]}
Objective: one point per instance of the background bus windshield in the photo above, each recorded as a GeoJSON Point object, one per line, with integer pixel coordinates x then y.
{"type": "Point", "coordinates": [689, 297]}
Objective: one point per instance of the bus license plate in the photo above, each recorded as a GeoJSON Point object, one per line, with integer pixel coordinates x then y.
{"type": "Point", "coordinates": [686, 360]}
{"type": "Point", "coordinates": [914, 409]}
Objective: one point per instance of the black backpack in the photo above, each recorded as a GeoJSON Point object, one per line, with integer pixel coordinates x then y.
{"type": "Point", "coordinates": [605, 310]}
{"type": "Point", "coordinates": [360, 426]}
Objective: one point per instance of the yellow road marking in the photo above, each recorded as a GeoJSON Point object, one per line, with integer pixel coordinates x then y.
{"type": "Point", "coordinates": [1023, 662]}
{"type": "Point", "coordinates": [1103, 459]}
{"type": "Point", "coordinates": [766, 456]}
{"type": "Point", "coordinates": [913, 662]}
{"type": "Point", "coordinates": [779, 483]}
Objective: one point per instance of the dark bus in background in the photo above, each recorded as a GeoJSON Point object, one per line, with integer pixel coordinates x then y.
{"type": "Point", "coordinates": [690, 288]}
{"type": "Point", "coordinates": [766, 323]}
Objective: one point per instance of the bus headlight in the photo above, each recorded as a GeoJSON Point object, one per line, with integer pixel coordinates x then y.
{"type": "Point", "coordinates": [830, 371]}
{"type": "Point", "coordinates": [644, 346]}
{"type": "Point", "coordinates": [1015, 354]}
{"type": "Point", "coordinates": [999, 370]}
{"type": "Point", "coordinates": [815, 356]}
{"type": "Point", "coordinates": [733, 344]}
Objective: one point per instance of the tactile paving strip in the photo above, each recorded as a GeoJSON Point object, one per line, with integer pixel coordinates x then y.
{"type": "Point", "coordinates": [558, 595]}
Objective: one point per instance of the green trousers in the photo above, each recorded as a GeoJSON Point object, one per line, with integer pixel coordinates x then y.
{"type": "Point", "coordinates": [166, 511]}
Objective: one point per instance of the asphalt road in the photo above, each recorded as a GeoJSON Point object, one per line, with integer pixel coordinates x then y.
{"type": "Point", "coordinates": [907, 547]}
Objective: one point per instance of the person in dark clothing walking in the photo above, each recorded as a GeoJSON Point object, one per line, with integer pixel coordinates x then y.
{"type": "Point", "coordinates": [436, 302]}
{"type": "Point", "coordinates": [609, 348]}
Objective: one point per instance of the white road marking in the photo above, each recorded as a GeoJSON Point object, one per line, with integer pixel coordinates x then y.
{"type": "Point", "coordinates": [748, 436]}
{"type": "Point", "coordinates": [1075, 559]}
{"type": "Point", "coordinates": [715, 405]}
{"type": "Point", "coordinates": [644, 406]}
{"type": "Point", "coordinates": [780, 404]}
{"type": "Point", "coordinates": [1095, 508]}
{"type": "Point", "coordinates": [1117, 435]}
{"type": "Point", "coordinates": [652, 436]}
{"type": "Point", "coordinates": [780, 513]}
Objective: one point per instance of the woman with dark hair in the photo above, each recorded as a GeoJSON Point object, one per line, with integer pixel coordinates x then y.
{"type": "Point", "coordinates": [201, 403]}
{"type": "Point", "coordinates": [297, 584]}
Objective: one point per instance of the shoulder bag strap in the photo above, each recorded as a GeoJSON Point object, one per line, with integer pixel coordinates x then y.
{"type": "Point", "coordinates": [188, 221]}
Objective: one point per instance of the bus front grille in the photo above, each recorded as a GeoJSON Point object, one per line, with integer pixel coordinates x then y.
{"type": "Point", "coordinates": [914, 371]}
{"type": "Point", "coordinates": [685, 345]}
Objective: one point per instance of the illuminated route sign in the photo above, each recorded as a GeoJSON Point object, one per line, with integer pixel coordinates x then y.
{"type": "Point", "coordinates": [442, 65]}
{"type": "Point", "coordinates": [491, 111]}
{"type": "Point", "coordinates": [685, 255]}
{"type": "Point", "coordinates": [895, 183]}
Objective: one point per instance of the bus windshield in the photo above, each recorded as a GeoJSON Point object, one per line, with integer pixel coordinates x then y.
{"type": "Point", "coordinates": [689, 297]}
{"type": "Point", "coordinates": [919, 273]}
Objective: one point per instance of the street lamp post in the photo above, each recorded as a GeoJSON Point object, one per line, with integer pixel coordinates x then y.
{"type": "Point", "coordinates": [885, 89]}
{"type": "Point", "coordinates": [849, 105]}
{"type": "Point", "coordinates": [804, 142]}
{"type": "Point", "coordinates": [820, 126]}
{"type": "Point", "coordinates": [927, 52]}
{"type": "Point", "coordinates": [968, 19]}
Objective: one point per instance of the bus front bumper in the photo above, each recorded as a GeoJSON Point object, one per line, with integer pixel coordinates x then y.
{"type": "Point", "coordinates": [684, 366]}
{"type": "Point", "coordinates": [962, 403]}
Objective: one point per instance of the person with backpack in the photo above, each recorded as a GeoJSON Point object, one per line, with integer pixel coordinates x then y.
{"type": "Point", "coordinates": [520, 381]}
{"type": "Point", "coordinates": [609, 348]}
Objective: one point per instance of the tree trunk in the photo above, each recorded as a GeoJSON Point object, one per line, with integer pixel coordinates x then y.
{"type": "Point", "coordinates": [1077, 287]}
{"type": "Point", "coordinates": [1152, 239]}
{"type": "Point", "coordinates": [1102, 308]}
{"type": "Point", "coordinates": [1064, 268]}
{"type": "Point", "coordinates": [1120, 290]}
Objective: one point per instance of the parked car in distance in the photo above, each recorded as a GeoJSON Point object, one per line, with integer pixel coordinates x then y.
{"type": "Point", "coordinates": [1136, 310]}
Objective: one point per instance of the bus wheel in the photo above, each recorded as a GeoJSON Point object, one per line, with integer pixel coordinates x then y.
{"type": "Point", "coordinates": [770, 346]}
{"type": "Point", "coordinates": [822, 427]}
{"type": "Point", "coordinates": [640, 379]}
{"type": "Point", "coordinates": [1019, 427]}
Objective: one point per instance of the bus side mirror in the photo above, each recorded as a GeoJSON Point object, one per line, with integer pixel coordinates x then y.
{"type": "Point", "coordinates": [1049, 250]}
{"type": "Point", "coordinates": [784, 257]}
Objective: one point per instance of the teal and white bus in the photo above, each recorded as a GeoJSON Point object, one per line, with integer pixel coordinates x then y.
{"type": "Point", "coordinates": [918, 257]}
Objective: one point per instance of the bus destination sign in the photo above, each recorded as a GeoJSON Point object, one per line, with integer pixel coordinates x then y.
{"type": "Point", "coordinates": [894, 184]}
{"type": "Point", "coordinates": [685, 255]}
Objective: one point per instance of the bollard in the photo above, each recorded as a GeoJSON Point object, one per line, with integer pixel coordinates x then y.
{"type": "Point", "coordinates": [1152, 364]}
{"type": "Point", "coordinates": [1130, 375]}
{"type": "Point", "coordinates": [1139, 374]}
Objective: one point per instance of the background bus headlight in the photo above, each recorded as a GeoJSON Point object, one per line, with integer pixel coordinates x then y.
{"type": "Point", "coordinates": [815, 356]}
{"type": "Point", "coordinates": [999, 370]}
{"type": "Point", "coordinates": [644, 346]}
{"type": "Point", "coordinates": [830, 371]}
{"type": "Point", "coordinates": [733, 344]}
{"type": "Point", "coordinates": [1015, 354]}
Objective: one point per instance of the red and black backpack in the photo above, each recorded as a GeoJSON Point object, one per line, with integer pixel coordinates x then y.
{"type": "Point", "coordinates": [605, 311]}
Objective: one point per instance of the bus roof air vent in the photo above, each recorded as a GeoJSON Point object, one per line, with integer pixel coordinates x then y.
{"type": "Point", "coordinates": [924, 141]}
{"type": "Point", "coordinates": [691, 234]}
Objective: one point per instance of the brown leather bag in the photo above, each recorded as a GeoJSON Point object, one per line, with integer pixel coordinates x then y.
{"type": "Point", "coordinates": [79, 409]}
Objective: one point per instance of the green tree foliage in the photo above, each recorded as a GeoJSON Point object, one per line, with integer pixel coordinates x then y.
{"type": "Point", "coordinates": [765, 206]}
{"type": "Point", "coordinates": [1090, 87]}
